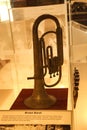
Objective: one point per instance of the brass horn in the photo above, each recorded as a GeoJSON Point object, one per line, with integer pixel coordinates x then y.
{"type": "Point", "coordinates": [44, 61]}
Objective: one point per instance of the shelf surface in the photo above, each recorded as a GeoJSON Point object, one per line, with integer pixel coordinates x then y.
{"type": "Point", "coordinates": [60, 94]}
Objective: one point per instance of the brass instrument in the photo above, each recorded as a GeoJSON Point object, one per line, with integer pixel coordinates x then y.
{"type": "Point", "coordinates": [44, 61]}
{"type": "Point", "coordinates": [76, 86]}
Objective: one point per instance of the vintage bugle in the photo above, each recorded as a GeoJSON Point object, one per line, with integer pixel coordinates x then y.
{"type": "Point", "coordinates": [45, 61]}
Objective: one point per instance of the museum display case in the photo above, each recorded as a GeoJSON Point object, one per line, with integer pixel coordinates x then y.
{"type": "Point", "coordinates": [17, 48]}
{"type": "Point", "coordinates": [78, 45]}
{"type": "Point", "coordinates": [20, 58]}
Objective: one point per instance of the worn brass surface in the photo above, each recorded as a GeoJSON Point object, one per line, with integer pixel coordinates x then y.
{"type": "Point", "coordinates": [39, 97]}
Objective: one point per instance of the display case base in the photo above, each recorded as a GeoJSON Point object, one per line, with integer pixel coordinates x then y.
{"type": "Point", "coordinates": [61, 95]}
